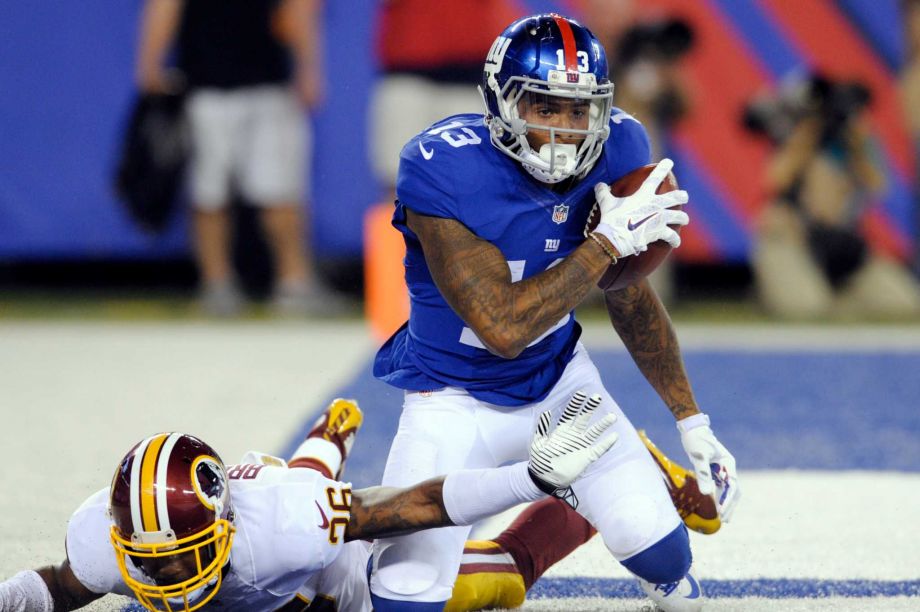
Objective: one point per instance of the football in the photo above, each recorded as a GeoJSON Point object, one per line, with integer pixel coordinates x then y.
{"type": "Point", "coordinates": [630, 270]}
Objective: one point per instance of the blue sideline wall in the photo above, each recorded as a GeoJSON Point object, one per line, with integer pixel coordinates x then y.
{"type": "Point", "coordinates": [66, 87]}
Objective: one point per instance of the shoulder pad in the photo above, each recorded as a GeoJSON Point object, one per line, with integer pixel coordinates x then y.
{"type": "Point", "coordinates": [618, 116]}
{"type": "Point", "coordinates": [89, 551]}
{"type": "Point", "coordinates": [459, 136]}
{"type": "Point", "coordinates": [257, 458]}
{"type": "Point", "coordinates": [447, 162]}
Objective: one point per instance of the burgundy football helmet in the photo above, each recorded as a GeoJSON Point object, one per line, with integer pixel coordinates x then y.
{"type": "Point", "coordinates": [170, 505]}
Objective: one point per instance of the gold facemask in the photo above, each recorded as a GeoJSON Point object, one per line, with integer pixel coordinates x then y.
{"type": "Point", "coordinates": [184, 595]}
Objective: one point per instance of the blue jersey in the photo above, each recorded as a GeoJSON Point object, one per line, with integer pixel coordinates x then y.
{"type": "Point", "coordinates": [452, 171]}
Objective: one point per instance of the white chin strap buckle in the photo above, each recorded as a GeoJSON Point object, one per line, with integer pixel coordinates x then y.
{"type": "Point", "coordinates": [561, 157]}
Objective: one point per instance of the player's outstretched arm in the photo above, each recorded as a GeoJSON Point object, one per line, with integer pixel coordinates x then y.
{"type": "Point", "coordinates": [474, 278]}
{"type": "Point", "coordinates": [643, 324]}
{"type": "Point", "coordinates": [557, 457]}
{"type": "Point", "coordinates": [645, 328]}
{"type": "Point", "coordinates": [52, 588]}
{"type": "Point", "coordinates": [390, 511]}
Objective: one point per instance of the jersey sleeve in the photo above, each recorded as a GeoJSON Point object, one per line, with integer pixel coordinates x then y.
{"type": "Point", "coordinates": [89, 551]}
{"type": "Point", "coordinates": [332, 511]}
{"type": "Point", "coordinates": [290, 524]}
{"type": "Point", "coordinates": [628, 145]}
{"type": "Point", "coordinates": [443, 171]}
{"type": "Point", "coordinates": [424, 185]}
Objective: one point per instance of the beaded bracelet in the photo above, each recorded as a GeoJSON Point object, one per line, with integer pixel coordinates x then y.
{"type": "Point", "coordinates": [593, 236]}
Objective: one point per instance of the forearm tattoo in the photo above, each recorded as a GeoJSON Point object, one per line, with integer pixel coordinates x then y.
{"type": "Point", "coordinates": [474, 278]}
{"type": "Point", "coordinates": [380, 512]}
{"type": "Point", "coordinates": [645, 328]}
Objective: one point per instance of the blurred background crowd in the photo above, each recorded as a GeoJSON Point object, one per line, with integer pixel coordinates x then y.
{"type": "Point", "coordinates": [273, 127]}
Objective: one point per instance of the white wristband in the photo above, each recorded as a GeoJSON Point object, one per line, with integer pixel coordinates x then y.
{"type": "Point", "coordinates": [692, 422]}
{"type": "Point", "coordinates": [472, 495]}
{"type": "Point", "coordinates": [25, 592]}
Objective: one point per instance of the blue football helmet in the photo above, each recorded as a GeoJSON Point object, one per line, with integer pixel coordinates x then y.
{"type": "Point", "coordinates": [548, 60]}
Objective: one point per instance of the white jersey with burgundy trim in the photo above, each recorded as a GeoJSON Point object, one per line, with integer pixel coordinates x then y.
{"type": "Point", "coordinates": [290, 525]}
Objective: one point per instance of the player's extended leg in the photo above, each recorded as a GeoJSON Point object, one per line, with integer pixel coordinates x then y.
{"type": "Point", "coordinates": [698, 511]}
{"type": "Point", "coordinates": [329, 442]}
{"type": "Point", "coordinates": [622, 495]}
{"type": "Point", "coordinates": [497, 573]}
{"type": "Point", "coordinates": [438, 432]}
{"type": "Point", "coordinates": [628, 504]}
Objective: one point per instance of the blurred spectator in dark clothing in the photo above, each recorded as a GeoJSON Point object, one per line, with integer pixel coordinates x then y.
{"type": "Point", "coordinates": [649, 79]}
{"type": "Point", "coordinates": [910, 97]}
{"type": "Point", "coordinates": [249, 68]}
{"type": "Point", "coordinates": [431, 57]}
{"type": "Point", "coordinates": [811, 259]}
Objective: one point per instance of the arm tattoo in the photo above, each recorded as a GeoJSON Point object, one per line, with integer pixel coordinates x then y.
{"type": "Point", "coordinates": [380, 512]}
{"type": "Point", "coordinates": [645, 328]}
{"type": "Point", "coordinates": [474, 278]}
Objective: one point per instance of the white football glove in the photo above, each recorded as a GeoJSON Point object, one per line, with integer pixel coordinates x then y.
{"type": "Point", "coordinates": [633, 222]}
{"type": "Point", "coordinates": [713, 465]}
{"type": "Point", "coordinates": [559, 456]}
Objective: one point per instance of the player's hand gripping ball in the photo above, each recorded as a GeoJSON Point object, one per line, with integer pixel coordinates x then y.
{"type": "Point", "coordinates": [631, 270]}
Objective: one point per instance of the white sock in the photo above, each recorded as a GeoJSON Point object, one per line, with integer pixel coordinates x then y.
{"type": "Point", "coordinates": [320, 450]}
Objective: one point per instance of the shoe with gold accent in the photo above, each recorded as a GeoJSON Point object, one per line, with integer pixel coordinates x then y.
{"type": "Point", "coordinates": [488, 578]}
{"type": "Point", "coordinates": [339, 424]}
{"type": "Point", "coordinates": [697, 510]}
{"type": "Point", "coordinates": [329, 442]}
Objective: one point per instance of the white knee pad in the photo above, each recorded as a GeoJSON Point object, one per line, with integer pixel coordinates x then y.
{"type": "Point", "coordinates": [400, 573]}
{"type": "Point", "coordinates": [419, 567]}
{"type": "Point", "coordinates": [631, 524]}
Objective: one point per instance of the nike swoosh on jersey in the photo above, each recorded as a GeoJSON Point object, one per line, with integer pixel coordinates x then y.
{"type": "Point", "coordinates": [323, 514]}
{"type": "Point", "coordinates": [425, 152]}
{"type": "Point", "coordinates": [631, 226]}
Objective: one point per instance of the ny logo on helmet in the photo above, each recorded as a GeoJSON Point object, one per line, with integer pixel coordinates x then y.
{"type": "Point", "coordinates": [497, 54]}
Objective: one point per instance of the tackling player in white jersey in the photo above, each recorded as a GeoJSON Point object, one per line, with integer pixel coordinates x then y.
{"type": "Point", "coordinates": [179, 531]}
{"type": "Point", "coordinates": [290, 539]}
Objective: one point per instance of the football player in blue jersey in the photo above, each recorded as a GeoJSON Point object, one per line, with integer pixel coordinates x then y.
{"type": "Point", "coordinates": [493, 209]}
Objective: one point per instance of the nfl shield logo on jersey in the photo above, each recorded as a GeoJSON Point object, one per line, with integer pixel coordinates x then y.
{"type": "Point", "coordinates": [560, 213]}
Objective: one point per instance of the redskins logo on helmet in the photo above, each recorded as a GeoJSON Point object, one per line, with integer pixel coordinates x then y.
{"type": "Point", "coordinates": [555, 62]}
{"type": "Point", "coordinates": [170, 505]}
